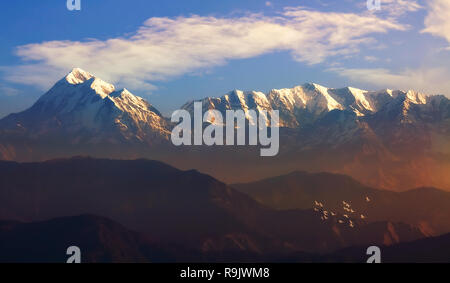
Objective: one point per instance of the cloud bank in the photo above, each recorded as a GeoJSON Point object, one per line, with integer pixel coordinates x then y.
{"type": "Point", "coordinates": [398, 8]}
{"type": "Point", "coordinates": [437, 21]}
{"type": "Point", "coordinates": [163, 48]}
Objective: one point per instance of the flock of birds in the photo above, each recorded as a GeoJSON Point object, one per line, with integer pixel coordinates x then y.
{"type": "Point", "coordinates": [347, 214]}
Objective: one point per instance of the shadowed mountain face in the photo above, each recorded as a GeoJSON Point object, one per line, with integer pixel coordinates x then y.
{"type": "Point", "coordinates": [83, 115]}
{"type": "Point", "coordinates": [83, 109]}
{"type": "Point", "coordinates": [103, 240]}
{"type": "Point", "coordinates": [429, 250]}
{"type": "Point", "coordinates": [387, 139]}
{"type": "Point", "coordinates": [99, 239]}
{"type": "Point", "coordinates": [183, 208]}
{"type": "Point", "coordinates": [426, 208]}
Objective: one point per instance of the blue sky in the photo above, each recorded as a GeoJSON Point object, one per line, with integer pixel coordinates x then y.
{"type": "Point", "coordinates": [172, 51]}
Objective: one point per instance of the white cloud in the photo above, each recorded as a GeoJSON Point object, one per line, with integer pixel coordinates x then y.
{"type": "Point", "coordinates": [370, 58]}
{"type": "Point", "coordinates": [166, 47]}
{"type": "Point", "coordinates": [392, 8]}
{"type": "Point", "coordinates": [437, 21]}
{"type": "Point", "coordinates": [427, 80]}
{"type": "Point", "coordinates": [8, 91]}
{"type": "Point", "coordinates": [399, 8]}
{"type": "Point", "coordinates": [268, 4]}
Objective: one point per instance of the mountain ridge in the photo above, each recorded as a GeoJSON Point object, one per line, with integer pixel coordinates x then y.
{"type": "Point", "coordinates": [177, 207]}
{"type": "Point", "coordinates": [387, 139]}
{"type": "Point", "coordinates": [310, 96]}
{"type": "Point", "coordinates": [80, 102]}
{"type": "Point", "coordinates": [103, 240]}
{"type": "Point", "coordinates": [424, 207]}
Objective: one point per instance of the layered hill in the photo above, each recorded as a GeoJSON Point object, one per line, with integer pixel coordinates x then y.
{"type": "Point", "coordinates": [426, 208]}
{"type": "Point", "coordinates": [179, 208]}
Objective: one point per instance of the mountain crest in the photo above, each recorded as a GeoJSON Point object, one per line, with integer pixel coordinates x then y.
{"type": "Point", "coordinates": [306, 103]}
{"type": "Point", "coordinates": [83, 106]}
{"type": "Point", "coordinates": [78, 76]}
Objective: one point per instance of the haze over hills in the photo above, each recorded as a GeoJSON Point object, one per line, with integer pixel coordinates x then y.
{"type": "Point", "coordinates": [426, 208]}
{"type": "Point", "coordinates": [387, 139]}
{"type": "Point", "coordinates": [99, 239]}
{"type": "Point", "coordinates": [429, 250]}
{"type": "Point", "coordinates": [103, 240]}
{"type": "Point", "coordinates": [178, 208]}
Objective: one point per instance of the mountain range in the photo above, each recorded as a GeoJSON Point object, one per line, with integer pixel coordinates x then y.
{"type": "Point", "coordinates": [167, 208]}
{"type": "Point", "coordinates": [388, 139]}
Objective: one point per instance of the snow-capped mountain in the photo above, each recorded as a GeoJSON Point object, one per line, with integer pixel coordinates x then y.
{"type": "Point", "coordinates": [303, 105]}
{"type": "Point", "coordinates": [388, 138]}
{"type": "Point", "coordinates": [88, 110]}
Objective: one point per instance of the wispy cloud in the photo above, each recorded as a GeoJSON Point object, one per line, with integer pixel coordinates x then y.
{"type": "Point", "coordinates": [437, 21]}
{"type": "Point", "coordinates": [8, 91]}
{"type": "Point", "coordinates": [370, 58]}
{"type": "Point", "coordinates": [163, 48]}
{"type": "Point", "coordinates": [427, 80]}
{"type": "Point", "coordinates": [391, 8]}
{"type": "Point", "coordinates": [398, 8]}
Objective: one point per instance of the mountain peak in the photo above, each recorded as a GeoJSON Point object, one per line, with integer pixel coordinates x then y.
{"type": "Point", "coordinates": [91, 109]}
{"type": "Point", "coordinates": [354, 89]}
{"type": "Point", "coordinates": [416, 97]}
{"type": "Point", "coordinates": [236, 92]}
{"type": "Point", "coordinates": [311, 85]}
{"type": "Point", "coordinates": [78, 76]}
{"type": "Point", "coordinates": [101, 87]}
